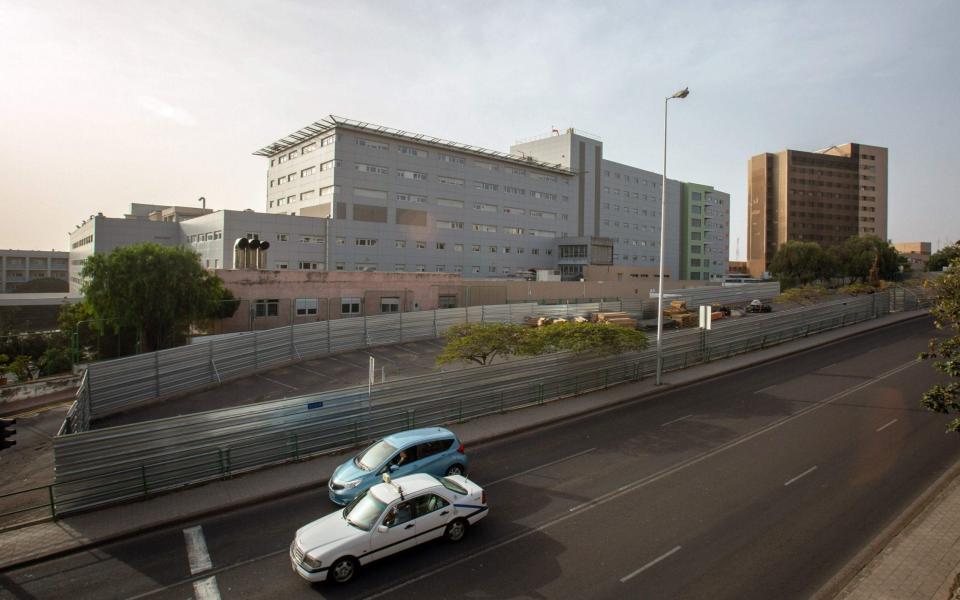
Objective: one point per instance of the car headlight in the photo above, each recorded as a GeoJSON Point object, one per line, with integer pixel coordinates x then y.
{"type": "Point", "coordinates": [311, 562]}
{"type": "Point", "coordinates": [350, 484]}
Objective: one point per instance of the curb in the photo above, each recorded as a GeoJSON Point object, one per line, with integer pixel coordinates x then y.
{"type": "Point", "coordinates": [863, 558]}
{"type": "Point", "coordinates": [578, 414]}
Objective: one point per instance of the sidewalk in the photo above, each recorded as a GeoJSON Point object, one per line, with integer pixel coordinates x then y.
{"type": "Point", "coordinates": [909, 552]}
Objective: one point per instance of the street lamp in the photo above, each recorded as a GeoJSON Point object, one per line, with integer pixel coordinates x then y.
{"type": "Point", "coordinates": [663, 222]}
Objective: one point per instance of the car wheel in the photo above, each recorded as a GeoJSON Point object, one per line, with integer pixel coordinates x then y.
{"type": "Point", "coordinates": [456, 470]}
{"type": "Point", "coordinates": [455, 530]}
{"type": "Point", "coordinates": [343, 569]}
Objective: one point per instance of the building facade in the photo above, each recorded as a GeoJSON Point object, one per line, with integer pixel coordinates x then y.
{"type": "Point", "coordinates": [917, 253]}
{"type": "Point", "coordinates": [824, 196]}
{"type": "Point", "coordinates": [18, 267]}
{"type": "Point", "coordinates": [399, 201]}
{"type": "Point", "coordinates": [704, 233]}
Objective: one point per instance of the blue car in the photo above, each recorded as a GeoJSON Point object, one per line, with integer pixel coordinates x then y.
{"type": "Point", "coordinates": [432, 450]}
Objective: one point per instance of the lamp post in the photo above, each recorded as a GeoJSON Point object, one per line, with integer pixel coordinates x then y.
{"type": "Point", "coordinates": [663, 222]}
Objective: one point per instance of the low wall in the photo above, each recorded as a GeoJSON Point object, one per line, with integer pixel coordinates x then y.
{"type": "Point", "coordinates": [38, 387]}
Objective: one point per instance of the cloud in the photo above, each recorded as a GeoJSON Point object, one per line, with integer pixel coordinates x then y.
{"type": "Point", "coordinates": [167, 111]}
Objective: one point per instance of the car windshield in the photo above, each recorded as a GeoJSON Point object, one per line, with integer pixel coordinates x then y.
{"type": "Point", "coordinates": [452, 485]}
{"type": "Point", "coordinates": [364, 511]}
{"type": "Point", "coordinates": [373, 457]}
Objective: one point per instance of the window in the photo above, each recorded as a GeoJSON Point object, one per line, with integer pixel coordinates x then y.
{"type": "Point", "coordinates": [412, 198]}
{"type": "Point", "coordinates": [447, 301]}
{"type": "Point", "coordinates": [485, 228]}
{"type": "Point", "coordinates": [453, 160]}
{"type": "Point", "coordinates": [390, 305]}
{"type": "Point", "coordinates": [696, 223]}
{"type": "Point", "coordinates": [475, 248]}
{"type": "Point", "coordinates": [282, 265]}
{"type": "Point", "coordinates": [309, 148]}
{"type": "Point", "coordinates": [486, 187]}
{"type": "Point", "coordinates": [449, 203]}
{"type": "Point", "coordinates": [399, 243]}
{"type": "Point", "coordinates": [330, 164]}
{"type": "Point", "coordinates": [328, 141]}
{"type": "Point", "coordinates": [365, 193]}
{"type": "Point", "coordinates": [514, 190]}
{"type": "Point", "coordinates": [329, 190]}
{"type": "Point", "coordinates": [449, 224]}
{"type": "Point", "coordinates": [513, 230]}
{"type": "Point", "coordinates": [458, 247]}
{"type": "Point", "coordinates": [474, 269]}
{"type": "Point", "coordinates": [365, 242]}
{"type": "Point", "coordinates": [485, 207]}
{"type": "Point", "coordinates": [493, 249]}
{"type": "Point", "coordinates": [440, 268]}
{"type": "Point", "coordinates": [695, 249]}
{"type": "Point", "coordinates": [375, 169]}
{"type": "Point", "coordinates": [411, 151]}
{"type": "Point", "coordinates": [308, 171]}
{"type": "Point", "coordinates": [399, 267]}
{"type": "Point", "coordinates": [451, 180]}
{"type": "Point", "coordinates": [510, 210]}
{"type": "Point", "coordinates": [349, 306]}
{"type": "Point", "coordinates": [308, 195]}
{"type": "Point", "coordinates": [311, 239]}
{"type": "Point", "coordinates": [441, 245]}
{"type": "Point", "coordinates": [485, 166]}
{"type": "Point", "coordinates": [421, 268]}
{"type": "Point", "coordinates": [309, 266]}
{"type": "Point", "coordinates": [306, 306]}
{"type": "Point", "coordinates": [412, 175]}
{"type": "Point", "coordinates": [373, 145]}
{"type": "Point", "coordinates": [421, 244]}
{"type": "Point", "coordinates": [266, 308]}
{"type": "Point", "coordinates": [252, 235]}
{"type": "Point", "coordinates": [695, 210]}
{"type": "Point", "coordinates": [339, 266]}
{"type": "Point", "coordinates": [341, 241]}
{"type": "Point", "coordinates": [281, 237]}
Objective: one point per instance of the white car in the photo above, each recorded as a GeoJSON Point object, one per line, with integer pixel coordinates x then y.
{"type": "Point", "coordinates": [385, 519]}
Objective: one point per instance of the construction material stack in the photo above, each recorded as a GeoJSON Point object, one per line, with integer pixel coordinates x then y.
{"type": "Point", "coordinates": [616, 318]}
{"type": "Point", "coordinates": [680, 314]}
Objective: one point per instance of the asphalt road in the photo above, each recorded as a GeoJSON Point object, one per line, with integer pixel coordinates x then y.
{"type": "Point", "coordinates": [760, 484]}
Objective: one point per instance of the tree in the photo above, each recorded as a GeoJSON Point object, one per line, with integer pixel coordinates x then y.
{"type": "Point", "coordinates": [603, 339]}
{"type": "Point", "coordinates": [799, 261]}
{"type": "Point", "coordinates": [943, 257]}
{"type": "Point", "coordinates": [945, 352]}
{"type": "Point", "coordinates": [154, 290]}
{"type": "Point", "coordinates": [482, 342]}
{"type": "Point", "coordinates": [23, 368]}
{"type": "Point", "coordinates": [55, 360]}
{"type": "Point", "coordinates": [857, 255]}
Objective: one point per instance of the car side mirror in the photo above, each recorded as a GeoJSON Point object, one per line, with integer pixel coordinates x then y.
{"type": "Point", "coordinates": [383, 529]}
{"type": "Point", "coordinates": [393, 468]}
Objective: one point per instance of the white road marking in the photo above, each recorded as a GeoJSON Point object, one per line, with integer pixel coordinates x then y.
{"type": "Point", "coordinates": [312, 372]}
{"type": "Point", "coordinates": [887, 425]}
{"type": "Point", "coordinates": [531, 470]}
{"type": "Point", "coordinates": [648, 565]}
{"type": "Point", "coordinates": [641, 483]}
{"type": "Point", "coordinates": [286, 385]}
{"type": "Point", "coordinates": [197, 550]}
{"type": "Point", "coordinates": [236, 565]}
{"type": "Point", "coordinates": [206, 589]}
{"type": "Point", "coordinates": [768, 388]}
{"type": "Point", "coordinates": [804, 474]}
{"type": "Point", "coordinates": [675, 421]}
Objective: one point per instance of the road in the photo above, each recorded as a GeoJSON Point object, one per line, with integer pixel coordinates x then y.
{"type": "Point", "coordinates": [759, 484]}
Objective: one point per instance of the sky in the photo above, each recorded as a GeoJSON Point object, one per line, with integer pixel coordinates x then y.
{"type": "Point", "coordinates": [103, 104]}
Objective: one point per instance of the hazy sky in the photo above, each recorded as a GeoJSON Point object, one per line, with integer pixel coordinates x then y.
{"type": "Point", "coordinates": [107, 103]}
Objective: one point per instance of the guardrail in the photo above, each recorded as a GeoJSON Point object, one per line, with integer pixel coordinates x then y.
{"type": "Point", "coordinates": [130, 461]}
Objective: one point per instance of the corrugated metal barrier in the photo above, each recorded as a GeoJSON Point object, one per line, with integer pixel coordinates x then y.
{"type": "Point", "coordinates": [131, 461]}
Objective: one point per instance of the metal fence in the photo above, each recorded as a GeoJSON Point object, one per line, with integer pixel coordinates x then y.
{"type": "Point", "coordinates": [119, 384]}
{"type": "Point", "coordinates": [115, 385]}
{"type": "Point", "coordinates": [119, 463]}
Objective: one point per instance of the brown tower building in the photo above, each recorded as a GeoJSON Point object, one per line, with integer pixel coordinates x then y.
{"type": "Point", "coordinates": [824, 196]}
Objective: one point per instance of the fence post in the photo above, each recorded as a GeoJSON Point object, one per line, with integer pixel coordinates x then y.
{"type": "Point", "coordinates": [53, 506]}
{"type": "Point", "coordinates": [296, 447]}
{"type": "Point", "coordinates": [156, 368]}
{"type": "Point", "coordinates": [539, 393]}
{"type": "Point", "coordinates": [210, 360]}
{"type": "Point", "coordinates": [223, 469]}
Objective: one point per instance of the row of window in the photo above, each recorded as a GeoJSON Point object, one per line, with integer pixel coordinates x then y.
{"type": "Point", "coordinates": [205, 237]}
{"type": "Point", "coordinates": [82, 242]}
{"type": "Point", "coordinates": [627, 178]}
{"type": "Point", "coordinates": [636, 210]}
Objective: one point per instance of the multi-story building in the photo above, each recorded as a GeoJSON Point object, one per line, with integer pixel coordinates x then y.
{"type": "Point", "coordinates": [824, 196]}
{"type": "Point", "coordinates": [398, 201]}
{"type": "Point", "coordinates": [18, 267]}
{"type": "Point", "coordinates": [704, 233]}
{"type": "Point", "coordinates": [917, 253]}
{"type": "Point", "coordinates": [294, 242]}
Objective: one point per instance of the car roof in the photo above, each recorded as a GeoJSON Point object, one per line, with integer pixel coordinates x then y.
{"type": "Point", "coordinates": [426, 434]}
{"type": "Point", "coordinates": [411, 484]}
